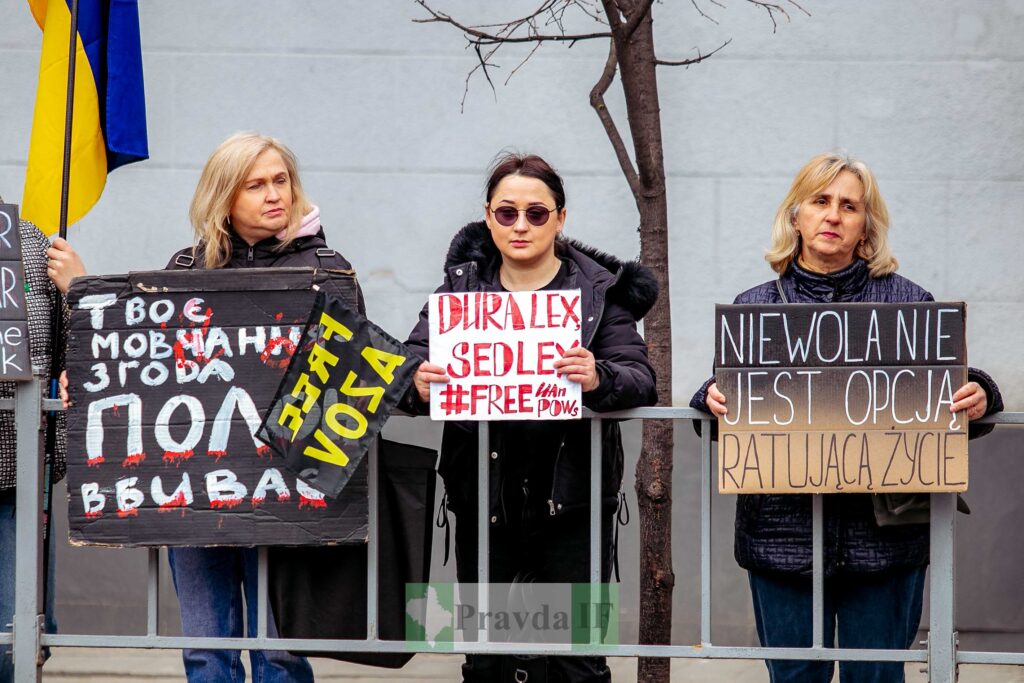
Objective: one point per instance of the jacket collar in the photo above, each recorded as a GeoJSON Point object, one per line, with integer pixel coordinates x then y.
{"type": "Point", "coordinates": [626, 283]}
{"type": "Point", "coordinates": [270, 247]}
{"type": "Point", "coordinates": [842, 285]}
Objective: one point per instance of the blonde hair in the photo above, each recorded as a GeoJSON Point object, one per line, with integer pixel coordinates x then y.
{"type": "Point", "coordinates": [222, 178]}
{"type": "Point", "coordinates": [813, 178]}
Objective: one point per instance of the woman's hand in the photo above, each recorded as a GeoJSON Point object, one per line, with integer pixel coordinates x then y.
{"type": "Point", "coordinates": [63, 264]}
{"type": "Point", "coordinates": [715, 400]}
{"type": "Point", "coordinates": [427, 374]}
{"type": "Point", "coordinates": [579, 365]}
{"type": "Point", "coordinates": [62, 389]}
{"type": "Point", "coordinates": [972, 398]}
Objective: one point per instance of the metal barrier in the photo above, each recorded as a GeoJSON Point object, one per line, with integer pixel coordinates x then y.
{"type": "Point", "coordinates": [942, 654]}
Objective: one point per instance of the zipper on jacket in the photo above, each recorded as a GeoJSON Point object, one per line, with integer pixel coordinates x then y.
{"type": "Point", "coordinates": [249, 259]}
{"type": "Point", "coordinates": [597, 322]}
{"type": "Point", "coordinates": [526, 500]}
{"type": "Point", "coordinates": [554, 477]}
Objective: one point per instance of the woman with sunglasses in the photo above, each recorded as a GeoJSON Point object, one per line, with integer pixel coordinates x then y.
{"type": "Point", "coordinates": [540, 471]}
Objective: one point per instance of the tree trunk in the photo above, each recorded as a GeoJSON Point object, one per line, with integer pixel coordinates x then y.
{"type": "Point", "coordinates": [638, 72]}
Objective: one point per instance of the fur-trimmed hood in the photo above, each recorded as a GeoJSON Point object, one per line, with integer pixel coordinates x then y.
{"type": "Point", "coordinates": [627, 283]}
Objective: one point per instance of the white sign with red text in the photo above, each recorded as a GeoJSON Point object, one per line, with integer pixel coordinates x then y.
{"type": "Point", "coordinates": [499, 351]}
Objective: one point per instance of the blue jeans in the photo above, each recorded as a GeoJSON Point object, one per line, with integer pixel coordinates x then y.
{"type": "Point", "coordinates": [209, 582]}
{"type": "Point", "coordinates": [878, 611]}
{"type": "Point", "coordinates": [8, 545]}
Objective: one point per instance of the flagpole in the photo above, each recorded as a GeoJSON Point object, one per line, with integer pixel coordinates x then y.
{"type": "Point", "coordinates": [57, 311]}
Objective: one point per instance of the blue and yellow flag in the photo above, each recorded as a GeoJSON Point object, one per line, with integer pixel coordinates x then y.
{"type": "Point", "coordinates": [109, 127]}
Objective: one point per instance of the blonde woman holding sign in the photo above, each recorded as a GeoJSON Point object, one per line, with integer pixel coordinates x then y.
{"type": "Point", "coordinates": [540, 470]}
{"type": "Point", "coordinates": [830, 244]}
{"type": "Point", "coordinates": [249, 210]}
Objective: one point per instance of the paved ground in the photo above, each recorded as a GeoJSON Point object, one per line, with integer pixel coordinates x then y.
{"type": "Point", "coordinates": [81, 665]}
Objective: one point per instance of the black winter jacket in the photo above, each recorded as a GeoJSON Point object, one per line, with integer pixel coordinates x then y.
{"type": "Point", "coordinates": [773, 532]}
{"type": "Point", "coordinates": [614, 296]}
{"type": "Point", "coordinates": [303, 252]}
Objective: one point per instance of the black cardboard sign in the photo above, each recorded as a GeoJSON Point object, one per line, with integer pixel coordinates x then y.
{"type": "Point", "coordinates": [15, 359]}
{"type": "Point", "coordinates": [847, 398]}
{"type": "Point", "coordinates": [170, 376]}
{"type": "Point", "coordinates": [340, 388]}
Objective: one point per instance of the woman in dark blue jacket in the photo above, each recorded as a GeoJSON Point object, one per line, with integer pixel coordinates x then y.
{"type": "Point", "coordinates": [540, 471]}
{"type": "Point", "coordinates": [830, 244]}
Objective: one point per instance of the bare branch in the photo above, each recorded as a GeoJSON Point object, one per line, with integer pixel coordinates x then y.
{"type": "Point", "coordinates": [487, 39]}
{"type": "Point", "coordinates": [520, 65]}
{"type": "Point", "coordinates": [476, 36]}
{"type": "Point", "coordinates": [483, 65]}
{"type": "Point", "coordinates": [772, 8]}
{"type": "Point", "coordinates": [701, 12]}
{"type": "Point", "coordinates": [597, 102]}
{"type": "Point", "coordinates": [694, 60]}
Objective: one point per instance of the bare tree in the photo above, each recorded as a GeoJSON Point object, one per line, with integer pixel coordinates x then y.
{"type": "Point", "coordinates": [627, 25]}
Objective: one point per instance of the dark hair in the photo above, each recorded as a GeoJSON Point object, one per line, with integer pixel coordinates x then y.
{"type": "Point", "coordinates": [529, 166]}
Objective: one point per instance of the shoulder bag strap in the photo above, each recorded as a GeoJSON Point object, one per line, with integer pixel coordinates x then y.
{"type": "Point", "coordinates": [782, 293]}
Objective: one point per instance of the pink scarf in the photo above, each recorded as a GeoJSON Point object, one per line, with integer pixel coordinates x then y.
{"type": "Point", "coordinates": [310, 225]}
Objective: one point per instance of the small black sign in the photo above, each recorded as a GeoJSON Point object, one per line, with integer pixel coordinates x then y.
{"type": "Point", "coordinates": [15, 359]}
{"type": "Point", "coordinates": [339, 390]}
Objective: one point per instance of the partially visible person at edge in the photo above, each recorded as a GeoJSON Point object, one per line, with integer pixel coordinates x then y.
{"type": "Point", "coordinates": [40, 295]}
{"type": "Point", "coordinates": [540, 470]}
{"type": "Point", "coordinates": [830, 243]}
{"type": "Point", "coordinates": [249, 210]}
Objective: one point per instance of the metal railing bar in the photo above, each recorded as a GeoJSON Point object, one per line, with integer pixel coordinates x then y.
{"type": "Point", "coordinates": [620, 650]}
{"type": "Point", "coordinates": [1007, 418]}
{"type": "Point", "coordinates": [372, 546]}
{"type": "Point", "coordinates": [972, 657]}
{"type": "Point", "coordinates": [595, 529]}
{"type": "Point", "coordinates": [818, 570]}
{"type": "Point", "coordinates": [678, 413]}
{"type": "Point", "coordinates": [261, 592]}
{"type": "Point", "coordinates": [483, 521]}
{"type": "Point", "coordinates": [651, 413]}
{"type": "Point", "coordinates": [28, 560]}
{"type": "Point", "coordinates": [941, 612]}
{"type": "Point", "coordinates": [705, 533]}
{"type": "Point", "coordinates": [153, 592]}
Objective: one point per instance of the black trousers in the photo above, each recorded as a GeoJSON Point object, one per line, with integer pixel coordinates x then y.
{"type": "Point", "coordinates": [534, 548]}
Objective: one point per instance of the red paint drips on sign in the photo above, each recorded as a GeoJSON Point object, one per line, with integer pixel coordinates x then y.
{"type": "Point", "coordinates": [311, 502]}
{"type": "Point", "coordinates": [176, 457]}
{"type": "Point", "coordinates": [133, 460]}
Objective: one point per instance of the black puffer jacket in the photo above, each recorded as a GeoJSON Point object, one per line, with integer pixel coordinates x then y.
{"type": "Point", "coordinates": [614, 296]}
{"type": "Point", "coordinates": [304, 252]}
{"type": "Point", "coordinates": [773, 532]}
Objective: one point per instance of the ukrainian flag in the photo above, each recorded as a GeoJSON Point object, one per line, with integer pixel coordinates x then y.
{"type": "Point", "coordinates": [109, 128]}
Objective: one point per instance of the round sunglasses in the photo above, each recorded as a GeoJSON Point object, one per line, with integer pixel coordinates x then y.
{"type": "Point", "coordinates": [535, 215]}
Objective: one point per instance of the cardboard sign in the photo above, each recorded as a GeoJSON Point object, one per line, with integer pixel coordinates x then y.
{"type": "Point", "coordinates": [15, 359]}
{"type": "Point", "coordinates": [844, 398]}
{"type": "Point", "coordinates": [499, 350]}
{"type": "Point", "coordinates": [341, 385]}
{"type": "Point", "coordinates": [170, 375]}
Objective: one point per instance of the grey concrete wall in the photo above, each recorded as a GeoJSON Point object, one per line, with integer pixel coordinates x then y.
{"type": "Point", "coordinates": [926, 91]}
